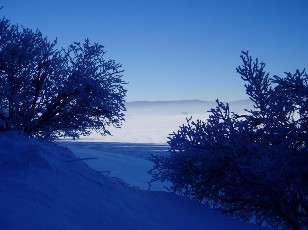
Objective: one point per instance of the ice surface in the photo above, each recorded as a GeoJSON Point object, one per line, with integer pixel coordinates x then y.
{"type": "Point", "coordinates": [126, 154]}
{"type": "Point", "coordinates": [151, 122]}
{"type": "Point", "coordinates": [129, 162]}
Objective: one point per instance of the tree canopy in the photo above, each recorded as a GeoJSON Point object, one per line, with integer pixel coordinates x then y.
{"type": "Point", "coordinates": [253, 166]}
{"type": "Point", "coordinates": [49, 92]}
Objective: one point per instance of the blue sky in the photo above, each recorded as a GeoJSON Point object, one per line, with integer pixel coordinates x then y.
{"type": "Point", "coordinates": [173, 49]}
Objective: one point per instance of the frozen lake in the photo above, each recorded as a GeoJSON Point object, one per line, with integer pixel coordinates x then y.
{"type": "Point", "coordinates": [126, 154]}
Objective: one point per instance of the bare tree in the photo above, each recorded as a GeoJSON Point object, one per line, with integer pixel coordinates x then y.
{"type": "Point", "coordinates": [48, 92]}
{"type": "Point", "coordinates": [253, 166]}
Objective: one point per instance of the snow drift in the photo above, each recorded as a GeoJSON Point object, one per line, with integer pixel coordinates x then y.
{"type": "Point", "coordinates": [44, 186]}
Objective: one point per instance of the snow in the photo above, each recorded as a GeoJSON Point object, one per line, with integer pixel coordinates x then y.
{"type": "Point", "coordinates": [126, 161]}
{"type": "Point", "coordinates": [126, 154]}
{"type": "Point", "coordinates": [151, 122]}
{"type": "Point", "coordinates": [45, 186]}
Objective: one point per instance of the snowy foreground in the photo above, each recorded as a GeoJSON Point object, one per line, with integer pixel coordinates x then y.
{"type": "Point", "coordinates": [45, 186]}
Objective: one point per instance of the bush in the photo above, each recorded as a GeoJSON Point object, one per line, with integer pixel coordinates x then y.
{"type": "Point", "coordinates": [49, 93]}
{"type": "Point", "coordinates": [253, 166]}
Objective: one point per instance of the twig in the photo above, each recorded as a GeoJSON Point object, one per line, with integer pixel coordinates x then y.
{"type": "Point", "coordinates": [82, 159]}
{"type": "Point", "coordinates": [104, 171]}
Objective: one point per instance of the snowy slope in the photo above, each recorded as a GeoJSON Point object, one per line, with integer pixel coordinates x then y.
{"type": "Point", "coordinates": [44, 186]}
{"type": "Point", "coordinates": [129, 162]}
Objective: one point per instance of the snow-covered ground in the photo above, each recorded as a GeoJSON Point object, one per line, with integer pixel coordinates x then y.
{"type": "Point", "coordinates": [129, 162]}
{"type": "Point", "coordinates": [45, 186]}
{"type": "Point", "coordinates": [126, 153]}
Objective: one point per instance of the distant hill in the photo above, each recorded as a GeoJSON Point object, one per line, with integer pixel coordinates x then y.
{"type": "Point", "coordinates": [182, 106]}
{"type": "Point", "coordinates": [155, 103]}
{"type": "Point", "coordinates": [179, 102]}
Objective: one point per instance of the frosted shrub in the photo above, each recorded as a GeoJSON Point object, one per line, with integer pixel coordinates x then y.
{"type": "Point", "coordinates": [50, 93]}
{"type": "Point", "coordinates": [254, 166]}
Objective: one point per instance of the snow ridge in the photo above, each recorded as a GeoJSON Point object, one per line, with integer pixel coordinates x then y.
{"type": "Point", "coordinates": [45, 186]}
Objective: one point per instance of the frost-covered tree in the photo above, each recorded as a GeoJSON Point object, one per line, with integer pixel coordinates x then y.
{"type": "Point", "coordinates": [49, 93]}
{"type": "Point", "coordinates": [253, 166]}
